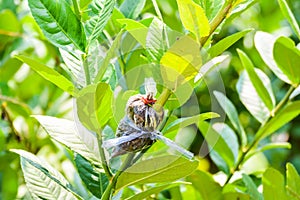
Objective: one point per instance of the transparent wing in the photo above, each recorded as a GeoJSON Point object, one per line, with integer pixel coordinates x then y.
{"type": "Point", "coordinates": [120, 140]}
{"type": "Point", "coordinates": [174, 146]}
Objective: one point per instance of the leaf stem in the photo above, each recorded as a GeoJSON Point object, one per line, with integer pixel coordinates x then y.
{"type": "Point", "coordinates": [217, 20]}
{"type": "Point", "coordinates": [283, 101]}
{"type": "Point", "coordinates": [254, 143]}
{"type": "Point", "coordinates": [102, 157]}
{"type": "Point", "coordinates": [86, 69]}
{"type": "Point", "coordinates": [111, 187]}
{"type": "Point", "coordinates": [76, 9]}
{"type": "Point", "coordinates": [156, 8]}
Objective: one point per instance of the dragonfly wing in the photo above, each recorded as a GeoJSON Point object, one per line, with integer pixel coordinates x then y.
{"type": "Point", "coordinates": [175, 146]}
{"type": "Point", "coordinates": [120, 140]}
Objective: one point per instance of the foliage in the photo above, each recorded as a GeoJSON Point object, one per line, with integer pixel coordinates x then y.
{"type": "Point", "coordinates": [69, 67]}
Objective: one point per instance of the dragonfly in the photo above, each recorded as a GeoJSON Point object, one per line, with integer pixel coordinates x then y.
{"type": "Point", "coordinates": [152, 135]}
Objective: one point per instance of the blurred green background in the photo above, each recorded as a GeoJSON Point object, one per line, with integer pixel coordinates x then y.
{"type": "Point", "coordinates": [24, 93]}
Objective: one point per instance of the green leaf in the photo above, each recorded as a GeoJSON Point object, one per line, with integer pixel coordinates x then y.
{"type": "Point", "coordinates": [95, 182]}
{"type": "Point", "coordinates": [157, 170]}
{"type": "Point", "coordinates": [275, 145]}
{"type": "Point", "coordinates": [273, 184]}
{"type": "Point", "coordinates": [265, 95]}
{"type": "Point", "coordinates": [293, 181]}
{"type": "Point", "coordinates": [103, 103]}
{"type": "Point", "coordinates": [9, 68]}
{"type": "Point", "coordinates": [249, 96]}
{"type": "Point", "coordinates": [204, 183]}
{"type": "Point", "coordinates": [216, 137]}
{"type": "Point", "coordinates": [42, 180]}
{"type": "Point", "coordinates": [155, 45]}
{"type": "Point", "coordinates": [225, 43]}
{"type": "Point", "coordinates": [132, 8]}
{"type": "Point", "coordinates": [9, 179]}
{"type": "Point", "coordinates": [138, 30]}
{"type": "Point", "coordinates": [153, 190]}
{"type": "Point", "coordinates": [251, 188]}
{"type": "Point", "coordinates": [264, 43]}
{"type": "Point", "coordinates": [59, 24]}
{"type": "Point", "coordinates": [9, 24]}
{"type": "Point", "coordinates": [101, 11]}
{"type": "Point", "coordinates": [73, 66]}
{"type": "Point", "coordinates": [236, 196]}
{"type": "Point", "coordinates": [209, 66]}
{"type": "Point", "coordinates": [86, 108]}
{"type": "Point", "coordinates": [186, 121]}
{"type": "Point", "coordinates": [229, 137]}
{"type": "Point", "coordinates": [287, 56]}
{"type": "Point", "coordinates": [285, 115]}
{"type": "Point", "coordinates": [232, 114]}
{"type": "Point", "coordinates": [287, 13]}
{"type": "Point", "coordinates": [257, 164]}
{"type": "Point", "coordinates": [111, 53]}
{"type": "Point", "coordinates": [65, 132]}
{"type": "Point", "coordinates": [193, 18]}
{"type": "Point", "coordinates": [295, 93]}
{"type": "Point", "coordinates": [181, 62]}
{"type": "Point", "coordinates": [211, 7]}
{"type": "Point", "coordinates": [50, 75]}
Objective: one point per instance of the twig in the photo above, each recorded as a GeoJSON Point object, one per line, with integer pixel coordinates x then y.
{"type": "Point", "coordinates": [255, 142]}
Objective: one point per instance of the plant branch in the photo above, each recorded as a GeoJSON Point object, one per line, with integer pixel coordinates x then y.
{"type": "Point", "coordinates": [255, 142]}
{"type": "Point", "coordinates": [111, 187]}
{"type": "Point", "coordinates": [86, 69]}
{"type": "Point", "coordinates": [219, 18]}
{"type": "Point", "coordinates": [102, 157]}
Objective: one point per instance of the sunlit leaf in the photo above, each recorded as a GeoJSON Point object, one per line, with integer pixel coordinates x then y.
{"type": "Point", "coordinates": [153, 190]}
{"type": "Point", "coordinates": [65, 132]}
{"type": "Point", "coordinates": [132, 8]}
{"type": "Point", "coordinates": [236, 195]}
{"type": "Point", "coordinates": [74, 67]}
{"type": "Point", "coordinates": [265, 95]}
{"type": "Point", "coordinates": [155, 46]}
{"type": "Point", "coordinates": [50, 75]}
{"type": "Point", "coordinates": [100, 14]}
{"type": "Point", "coordinates": [193, 18]}
{"type": "Point", "coordinates": [273, 185]}
{"type": "Point", "coordinates": [284, 116]}
{"type": "Point", "coordinates": [232, 114]}
{"type": "Point", "coordinates": [86, 108]}
{"type": "Point", "coordinates": [249, 96]}
{"type": "Point", "coordinates": [103, 103]}
{"type": "Point", "coordinates": [264, 43]}
{"type": "Point", "coordinates": [181, 62]}
{"type": "Point", "coordinates": [157, 170]}
{"type": "Point", "coordinates": [211, 7]}
{"type": "Point", "coordinates": [287, 56]}
{"type": "Point", "coordinates": [286, 11]}
{"type": "Point", "coordinates": [293, 181]}
{"type": "Point", "coordinates": [206, 185]}
{"type": "Point", "coordinates": [43, 180]}
{"type": "Point", "coordinates": [138, 30]}
{"type": "Point", "coordinates": [51, 17]}
{"type": "Point", "coordinates": [225, 43]}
